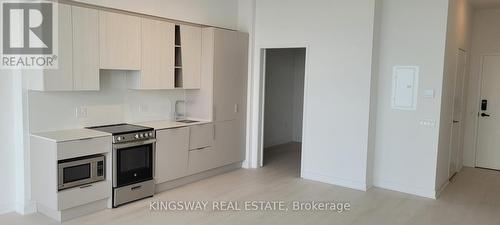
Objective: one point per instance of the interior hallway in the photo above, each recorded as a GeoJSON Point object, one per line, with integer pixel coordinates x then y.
{"type": "Point", "coordinates": [472, 198]}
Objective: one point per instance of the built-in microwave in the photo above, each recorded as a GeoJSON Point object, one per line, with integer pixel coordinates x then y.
{"type": "Point", "coordinates": [81, 171]}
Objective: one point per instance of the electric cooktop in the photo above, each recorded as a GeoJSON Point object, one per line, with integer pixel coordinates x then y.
{"type": "Point", "coordinates": [117, 129]}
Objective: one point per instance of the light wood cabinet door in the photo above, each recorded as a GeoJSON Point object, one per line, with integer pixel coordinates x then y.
{"type": "Point", "coordinates": [85, 48]}
{"type": "Point", "coordinates": [60, 79]}
{"type": "Point", "coordinates": [119, 41]}
{"type": "Point", "coordinates": [230, 70]}
{"type": "Point", "coordinates": [191, 56]}
{"type": "Point", "coordinates": [229, 142]}
{"type": "Point", "coordinates": [157, 55]}
{"type": "Point", "coordinates": [171, 154]}
{"type": "Point", "coordinates": [201, 136]}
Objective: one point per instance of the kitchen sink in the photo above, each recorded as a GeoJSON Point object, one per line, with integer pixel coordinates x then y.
{"type": "Point", "coordinates": [187, 121]}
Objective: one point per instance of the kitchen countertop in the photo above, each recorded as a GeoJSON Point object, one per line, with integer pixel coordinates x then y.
{"type": "Point", "coordinates": [70, 135]}
{"type": "Point", "coordinates": [168, 124]}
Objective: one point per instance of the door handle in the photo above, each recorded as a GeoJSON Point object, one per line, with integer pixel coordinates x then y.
{"type": "Point", "coordinates": [485, 115]}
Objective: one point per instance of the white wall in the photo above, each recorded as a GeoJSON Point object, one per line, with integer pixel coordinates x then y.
{"type": "Point", "coordinates": [485, 33]}
{"type": "Point", "coordinates": [220, 13]}
{"type": "Point", "coordinates": [411, 33]}
{"type": "Point", "coordinates": [7, 150]}
{"type": "Point", "coordinates": [284, 96]}
{"type": "Point", "coordinates": [339, 35]}
{"type": "Point", "coordinates": [458, 37]}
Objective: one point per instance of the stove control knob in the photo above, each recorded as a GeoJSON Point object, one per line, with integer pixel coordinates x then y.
{"type": "Point", "coordinates": [136, 136]}
{"type": "Point", "coordinates": [151, 134]}
{"type": "Point", "coordinates": [119, 138]}
{"type": "Point", "coordinates": [141, 135]}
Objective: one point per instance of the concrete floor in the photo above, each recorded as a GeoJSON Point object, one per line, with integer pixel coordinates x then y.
{"type": "Point", "coordinates": [473, 198]}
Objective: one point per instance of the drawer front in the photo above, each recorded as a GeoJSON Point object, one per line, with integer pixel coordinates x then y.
{"type": "Point", "coordinates": [201, 136]}
{"type": "Point", "coordinates": [83, 195]}
{"type": "Point", "coordinates": [202, 159]}
{"type": "Point", "coordinates": [86, 147]}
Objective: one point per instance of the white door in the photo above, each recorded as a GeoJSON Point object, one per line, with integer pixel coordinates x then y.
{"type": "Point", "coordinates": [458, 109]}
{"type": "Point", "coordinates": [488, 142]}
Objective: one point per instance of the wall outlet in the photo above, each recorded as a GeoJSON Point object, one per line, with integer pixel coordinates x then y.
{"type": "Point", "coordinates": [81, 112]}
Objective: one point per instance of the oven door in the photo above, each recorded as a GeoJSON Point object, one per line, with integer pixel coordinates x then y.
{"type": "Point", "coordinates": [133, 162]}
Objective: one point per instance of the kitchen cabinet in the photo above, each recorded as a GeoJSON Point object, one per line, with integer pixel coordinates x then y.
{"type": "Point", "coordinates": [85, 48]}
{"type": "Point", "coordinates": [189, 49]}
{"type": "Point", "coordinates": [171, 154]}
{"type": "Point", "coordinates": [119, 41]}
{"type": "Point", "coordinates": [222, 96]}
{"type": "Point", "coordinates": [77, 55]}
{"type": "Point", "coordinates": [230, 67]}
{"type": "Point", "coordinates": [157, 51]}
{"type": "Point", "coordinates": [229, 142]}
{"type": "Point", "coordinates": [202, 160]}
{"type": "Point", "coordinates": [73, 202]}
{"type": "Point", "coordinates": [201, 136]}
{"type": "Point", "coordinates": [60, 79]}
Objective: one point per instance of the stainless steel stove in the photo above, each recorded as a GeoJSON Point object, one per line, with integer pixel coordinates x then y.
{"type": "Point", "coordinates": [133, 162]}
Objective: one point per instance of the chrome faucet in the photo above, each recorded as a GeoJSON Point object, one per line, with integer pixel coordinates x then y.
{"type": "Point", "coordinates": [179, 115]}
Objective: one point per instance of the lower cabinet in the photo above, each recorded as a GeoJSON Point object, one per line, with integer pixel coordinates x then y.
{"type": "Point", "coordinates": [181, 152]}
{"type": "Point", "coordinates": [202, 159]}
{"type": "Point", "coordinates": [172, 147]}
{"type": "Point", "coordinates": [229, 142]}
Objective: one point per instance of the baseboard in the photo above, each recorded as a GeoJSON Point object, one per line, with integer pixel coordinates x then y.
{"type": "Point", "coordinates": [246, 164]}
{"type": "Point", "coordinates": [7, 208]}
{"type": "Point", "coordinates": [357, 185]}
{"type": "Point", "coordinates": [25, 208]}
{"type": "Point", "coordinates": [440, 191]}
{"type": "Point", "coordinates": [196, 177]}
{"type": "Point", "coordinates": [430, 193]}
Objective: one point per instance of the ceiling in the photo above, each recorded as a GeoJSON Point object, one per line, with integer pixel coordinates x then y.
{"type": "Point", "coordinates": [485, 3]}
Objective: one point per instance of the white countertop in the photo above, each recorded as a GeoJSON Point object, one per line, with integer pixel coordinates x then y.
{"type": "Point", "coordinates": [168, 124]}
{"type": "Point", "coordinates": [70, 135]}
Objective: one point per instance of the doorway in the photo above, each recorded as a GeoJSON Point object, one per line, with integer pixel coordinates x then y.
{"type": "Point", "coordinates": [284, 76]}
{"type": "Point", "coordinates": [488, 131]}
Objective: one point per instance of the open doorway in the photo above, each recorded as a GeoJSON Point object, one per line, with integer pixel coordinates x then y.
{"type": "Point", "coordinates": [283, 107]}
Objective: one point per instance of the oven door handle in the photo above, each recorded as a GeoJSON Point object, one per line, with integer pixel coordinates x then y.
{"type": "Point", "coordinates": [134, 144]}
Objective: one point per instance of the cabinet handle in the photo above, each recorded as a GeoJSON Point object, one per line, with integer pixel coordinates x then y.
{"type": "Point", "coordinates": [136, 187]}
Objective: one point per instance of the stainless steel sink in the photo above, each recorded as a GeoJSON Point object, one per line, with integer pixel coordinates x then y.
{"type": "Point", "coordinates": [187, 121]}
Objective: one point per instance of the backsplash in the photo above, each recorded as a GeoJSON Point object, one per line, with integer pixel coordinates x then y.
{"type": "Point", "coordinates": [114, 103]}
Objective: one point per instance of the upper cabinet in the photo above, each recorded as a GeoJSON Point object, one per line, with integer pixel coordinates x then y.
{"type": "Point", "coordinates": [78, 54]}
{"type": "Point", "coordinates": [157, 54]}
{"type": "Point", "coordinates": [188, 50]}
{"type": "Point", "coordinates": [85, 48]}
{"type": "Point", "coordinates": [157, 50]}
{"type": "Point", "coordinates": [119, 41]}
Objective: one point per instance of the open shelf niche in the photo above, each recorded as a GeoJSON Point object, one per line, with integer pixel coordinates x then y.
{"type": "Point", "coordinates": [178, 57]}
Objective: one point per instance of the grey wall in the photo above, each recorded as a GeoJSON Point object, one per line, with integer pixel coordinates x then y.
{"type": "Point", "coordinates": [284, 96]}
